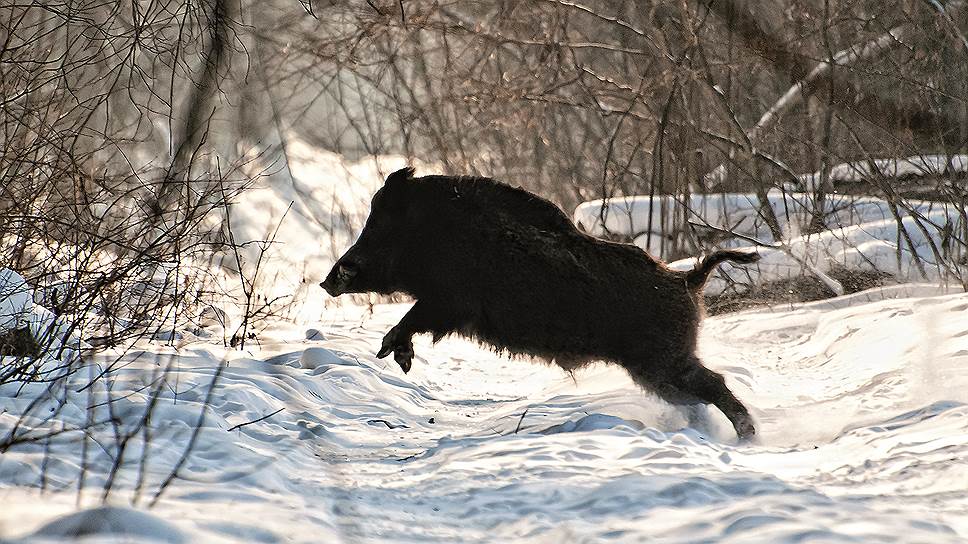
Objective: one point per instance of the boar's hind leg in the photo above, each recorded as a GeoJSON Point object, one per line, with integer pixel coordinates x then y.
{"type": "Point", "coordinates": [421, 318]}
{"type": "Point", "coordinates": [710, 387]}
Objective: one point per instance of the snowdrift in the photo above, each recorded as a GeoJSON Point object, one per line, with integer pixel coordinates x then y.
{"type": "Point", "coordinates": [861, 405]}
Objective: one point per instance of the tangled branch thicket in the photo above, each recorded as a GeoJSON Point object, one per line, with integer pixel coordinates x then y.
{"type": "Point", "coordinates": [108, 172]}
{"type": "Point", "coordinates": [591, 99]}
{"type": "Point", "coordinates": [117, 165]}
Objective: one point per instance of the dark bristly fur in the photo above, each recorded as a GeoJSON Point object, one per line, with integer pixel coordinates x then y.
{"type": "Point", "coordinates": [505, 267]}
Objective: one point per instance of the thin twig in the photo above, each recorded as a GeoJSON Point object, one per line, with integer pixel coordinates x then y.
{"type": "Point", "coordinates": [263, 418]}
{"type": "Point", "coordinates": [521, 419]}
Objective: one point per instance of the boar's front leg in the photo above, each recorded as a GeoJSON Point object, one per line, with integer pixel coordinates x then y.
{"type": "Point", "coordinates": [421, 318]}
{"type": "Point", "coordinates": [398, 340]}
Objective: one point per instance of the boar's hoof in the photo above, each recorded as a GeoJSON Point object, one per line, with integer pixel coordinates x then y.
{"type": "Point", "coordinates": [404, 357]}
{"type": "Point", "coordinates": [744, 428]}
{"type": "Point", "coordinates": [400, 345]}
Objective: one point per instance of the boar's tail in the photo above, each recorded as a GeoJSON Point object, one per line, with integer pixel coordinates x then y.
{"type": "Point", "coordinates": [696, 277]}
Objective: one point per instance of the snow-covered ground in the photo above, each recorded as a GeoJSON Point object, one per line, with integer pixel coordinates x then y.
{"type": "Point", "coordinates": [860, 400]}
{"type": "Point", "coordinates": [861, 403]}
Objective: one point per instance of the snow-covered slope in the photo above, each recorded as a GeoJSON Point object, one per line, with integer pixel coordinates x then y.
{"type": "Point", "coordinates": [861, 405]}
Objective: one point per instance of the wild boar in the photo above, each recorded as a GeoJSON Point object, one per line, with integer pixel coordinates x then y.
{"type": "Point", "coordinates": [507, 268]}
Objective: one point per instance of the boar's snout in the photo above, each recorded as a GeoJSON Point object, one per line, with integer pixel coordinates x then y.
{"type": "Point", "coordinates": [340, 277]}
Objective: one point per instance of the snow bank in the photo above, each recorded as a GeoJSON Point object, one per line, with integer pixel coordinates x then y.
{"type": "Point", "coordinates": [111, 522]}
{"type": "Point", "coordinates": [58, 344]}
{"type": "Point", "coordinates": [915, 166]}
{"type": "Point", "coordinates": [16, 301]}
{"type": "Point", "coordinates": [737, 212]}
{"type": "Point", "coordinates": [872, 246]}
{"type": "Point", "coordinates": [861, 234]}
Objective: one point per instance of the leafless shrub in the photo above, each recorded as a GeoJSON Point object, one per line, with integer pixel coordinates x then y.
{"type": "Point", "coordinates": [118, 157]}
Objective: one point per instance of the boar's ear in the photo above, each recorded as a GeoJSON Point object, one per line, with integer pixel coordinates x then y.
{"type": "Point", "coordinates": [399, 176]}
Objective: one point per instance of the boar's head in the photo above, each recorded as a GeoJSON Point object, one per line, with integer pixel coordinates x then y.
{"type": "Point", "coordinates": [372, 264]}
